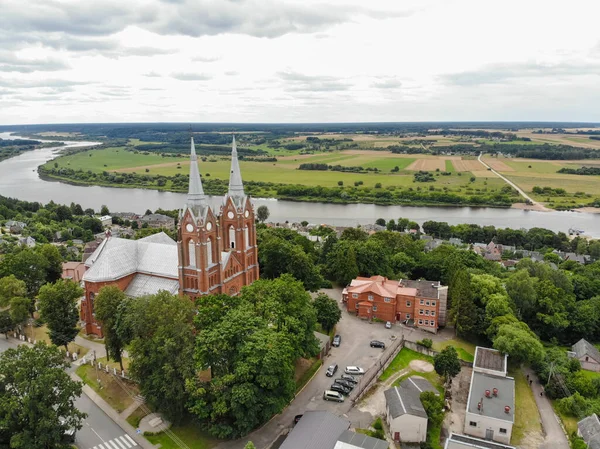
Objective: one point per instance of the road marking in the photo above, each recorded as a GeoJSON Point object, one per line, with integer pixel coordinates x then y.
{"type": "Point", "coordinates": [125, 441]}
{"type": "Point", "coordinates": [114, 445]}
{"type": "Point", "coordinates": [100, 446]}
{"type": "Point", "coordinates": [131, 440]}
{"type": "Point", "coordinates": [119, 443]}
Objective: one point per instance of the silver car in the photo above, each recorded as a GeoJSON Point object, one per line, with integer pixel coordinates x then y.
{"type": "Point", "coordinates": [354, 370]}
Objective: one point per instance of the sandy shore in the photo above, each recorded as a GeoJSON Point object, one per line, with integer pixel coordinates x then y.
{"type": "Point", "coordinates": [589, 210]}
{"type": "Point", "coordinates": [537, 207]}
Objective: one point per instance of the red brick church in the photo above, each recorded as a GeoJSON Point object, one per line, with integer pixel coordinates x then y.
{"type": "Point", "coordinates": [214, 253]}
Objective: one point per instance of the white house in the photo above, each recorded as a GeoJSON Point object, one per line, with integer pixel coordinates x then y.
{"type": "Point", "coordinates": [27, 241]}
{"type": "Point", "coordinates": [491, 403]}
{"type": "Point", "coordinates": [587, 354]}
{"type": "Point", "coordinates": [405, 414]}
{"type": "Point", "coordinates": [106, 220]}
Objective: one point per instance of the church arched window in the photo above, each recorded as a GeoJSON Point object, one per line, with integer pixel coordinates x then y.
{"type": "Point", "coordinates": [209, 253]}
{"type": "Point", "coordinates": [231, 237]}
{"type": "Point", "coordinates": [246, 242]}
{"type": "Point", "coordinates": [191, 253]}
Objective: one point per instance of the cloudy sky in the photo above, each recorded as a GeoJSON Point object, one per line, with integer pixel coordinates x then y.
{"type": "Point", "coordinates": [298, 60]}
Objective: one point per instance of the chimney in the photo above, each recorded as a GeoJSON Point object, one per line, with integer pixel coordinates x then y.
{"type": "Point", "coordinates": [488, 394]}
{"type": "Point", "coordinates": [495, 392]}
{"type": "Point", "coordinates": [506, 409]}
{"type": "Point", "coordinates": [479, 407]}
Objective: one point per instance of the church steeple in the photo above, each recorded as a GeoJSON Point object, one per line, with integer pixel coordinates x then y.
{"type": "Point", "coordinates": [236, 187]}
{"type": "Point", "coordinates": [196, 199]}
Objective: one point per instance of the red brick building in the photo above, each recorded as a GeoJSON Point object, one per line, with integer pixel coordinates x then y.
{"type": "Point", "coordinates": [214, 252]}
{"type": "Point", "coordinates": [419, 303]}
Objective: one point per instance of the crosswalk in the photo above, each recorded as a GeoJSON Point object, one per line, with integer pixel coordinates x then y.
{"type": "Point", "coordinates": [122, 442]}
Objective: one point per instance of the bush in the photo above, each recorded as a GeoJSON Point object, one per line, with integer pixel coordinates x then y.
{"type": "Point", "coordinates": [426, 342]}
{"type": "Point", "coordinates": [378, 425]}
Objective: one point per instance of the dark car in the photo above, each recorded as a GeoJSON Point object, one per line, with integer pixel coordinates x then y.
{"type": "Point", "coordinates": [340, 388]}
{"type": "Point", "coordinates": [377, 344]}
{"type": "Point", "coordinates": [331, 370]}
{"type": "Point", "coordinates": [297, 418]}
{"type": "Point", "coordinates": [337, 340]}
{"type": "Point", "coordinates": [345, 383]}
{"type": "Point", "coordinates": [349, 378]}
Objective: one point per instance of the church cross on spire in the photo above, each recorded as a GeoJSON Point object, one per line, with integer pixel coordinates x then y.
{"type": "Point", "coordinates": [196, 198]}
{"type": "Point", "coordinates": [236, 187]}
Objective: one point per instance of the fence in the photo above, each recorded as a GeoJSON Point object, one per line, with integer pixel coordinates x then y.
{"type": "Point", "coordinates": [371, 376]}
{"type": "Point", "coordinates": [430, 352]}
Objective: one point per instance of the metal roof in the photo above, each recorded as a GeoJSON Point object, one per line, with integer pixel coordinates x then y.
{"type": "Point", "coordinates": [316, 430]}
{"type": "Point", "coordinates": [352, 440]}
{"type": "Point", "coordinates": [583, 348]}
{"type": "Point", "coordinates": [406, 398]}
{"type": "Point", "coordinates": [589, 428]}
{"type": "Point", "coordinates": [494, 406]}
{"type": "Point", "coordinates": [142, 285]}
{"type": "Point", "coordinates": [466, 442]}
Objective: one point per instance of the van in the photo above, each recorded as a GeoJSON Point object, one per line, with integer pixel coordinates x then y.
{"type": "Point", "coordinates": [329, 395]}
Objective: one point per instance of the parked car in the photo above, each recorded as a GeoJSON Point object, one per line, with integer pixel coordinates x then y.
{"type": "Point", "coordinates": [337, 340]}
{"type": "Point", "coordinates": [354, 370]}
{"type": "Point", "coordinates": [377, 344]}
{"type": "Point", "coordinates": [297, 418]}
{"type": "Point", "coordinates": [388, 325]}
{"type": "Point", "coordinates": [340, 388]}
{"type": "Point", "coordinates": [331, 370]}
{"type": "Point", "coordinates": [345, 383]}
{"type": "Point", "coordinates": [329, 395]}
{"type": "Point", "coordinates": [349, 378]}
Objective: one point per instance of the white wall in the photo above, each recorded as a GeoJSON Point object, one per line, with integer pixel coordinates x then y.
{"type": "Point", "coordinates": [590, 365]}
{"type": "Point", "coordinates": [484, 423]}
{"type": "Point", "coordinates": [413, 429]}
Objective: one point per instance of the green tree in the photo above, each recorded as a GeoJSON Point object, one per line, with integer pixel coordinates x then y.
{"type": "Point", "coordinates": [161, 350]}
{"type": "Point", "coordinates": [380, 221]}
{"type": "Point", "coordinates": [11, 287]}
{"type": "Point", "coordinates": [6, 323]}
{"type": "Point", "coordinates": [104, 210]}
{"type": "Point", "coordinates": [341, 263]}
{"type": "Point", "coordinates": [521, 288]}
{"type": "Point", "coordinates": [262, 213]}
{"type": "Point", "coordinates": [446, 363]}
{"type": "Point", "coordinates": [519, 342]}
{"type": "Point", "coordinates": [354, 234]}
{"type": "Point", "coordinates": [249, 445]}
{"type": "Point", "coordinates": [434, 407]}
{"type": "Point", "coordinates": [19, 310]}
{"type": "Point", "coordinates": [328, 312]}
{"type": "Point", "coordinates": [37, 398]}
{"type": "Point", "coordinates": [54, 259]}
{"type": "Point", "coordinates": [462, 311]}
{"type": "Point", "coordinates": [107, 307]}
{"type": "Point", "coordinates": [27, 266]}
{"type": "Point", "coordinates": [58, 308]}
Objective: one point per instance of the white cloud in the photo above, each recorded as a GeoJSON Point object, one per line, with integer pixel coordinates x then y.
{"type": "Point", "coordinates": [298, 60]}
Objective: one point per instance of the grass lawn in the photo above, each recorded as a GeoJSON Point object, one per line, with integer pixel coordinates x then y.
{"type": "Point", "coordinates": [465, 349]}
{"type": "Point", "coordinates": [135, 418]}
{"type": "Point", "coordinates": [570, 422]}
{"type": "Point", "coordinates": [190, 434]}
{"type": "Point", "coordinates": [118, 394]}
{"type": "Point", "coordinates": [41, 334]}
{"type": "Point", "coordinates": [527, 416]}
{"type": "Point", "coordinates": [402, 360]}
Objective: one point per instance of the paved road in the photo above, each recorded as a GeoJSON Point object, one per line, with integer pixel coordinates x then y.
{"type": "Point", "coordinates": [98, 430]}
{"type": "Point", "coordinates": [555, 436]}
{"type": "Point", "coordinates": [354, 350]}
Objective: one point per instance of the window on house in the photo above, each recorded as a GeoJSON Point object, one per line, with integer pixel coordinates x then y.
{"type": "Point", "coordinates": [426, 303]}
{"type": "Point", "coordinates": [427, 312]}
{"type": "Point", "coordinates": [374, 308]}
{"type": "Point", "coordinates": [408, 304]}
{"type": "Point", "coordinates": [587, 359]}
{"type": "Point", "coordinates": [191, 253]}
{"type": "Point", "coordinates": [231, 237]}
{"type": "Point", "coordinates": [370, 297]}
{"type": "Point", "coordinates": [408, 316]}
{"type": "Point", "coordinates": [432, 313]}
{"type": "Point", "coordinates": [387, 299]}
{"type": "Point", "coordinates": [420, 311]}
{"type": "Point", "coordinates": [355, 295]}
{"type": "Point", "coordinates": [357, 305]}
{"type": "Point", "coordinates": [502, 430]}
{"type": "Point", "coordinates": [420, 321]}
{"type": "Point", "coordinates": [421, 302]}
{"type": "Point", "coordinates": [472, 423]}
{"type": "Point", "coordinates": [433, 303]}
{"type": "Point", "coordinates": [209, 255]}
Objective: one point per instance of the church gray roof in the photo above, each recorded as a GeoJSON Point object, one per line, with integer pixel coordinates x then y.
{"type": "Point", "coordinates": [236, 186]}
{"type": "Point", "coordinates": [583, 348]}
{"type": "Point", "coordinates": [115, 258]}
{"type": "Point", "coordinates": [196, 199]}
{"type": "Point", "coordinates": [143, 284]}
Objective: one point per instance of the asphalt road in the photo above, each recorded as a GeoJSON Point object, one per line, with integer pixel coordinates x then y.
{"type": "Point", "coordinates": [98, 431]}
{"type": "Point", "coordinates": [354, 350]}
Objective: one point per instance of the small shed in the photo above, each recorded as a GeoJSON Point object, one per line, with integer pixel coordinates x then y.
{"type": "Point", "coordinates": [587, 354]}
{"type": "Point", "coordinates": [324, 344]}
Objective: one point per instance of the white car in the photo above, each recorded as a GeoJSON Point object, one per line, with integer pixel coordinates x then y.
{"type": "Point", "coordinates": [354, 370]}
{"type": "Point", "coordinates": [388, 325]}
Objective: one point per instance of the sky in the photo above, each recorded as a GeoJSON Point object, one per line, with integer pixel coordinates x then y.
{"type": "Point", "coordinates": [67, 61]}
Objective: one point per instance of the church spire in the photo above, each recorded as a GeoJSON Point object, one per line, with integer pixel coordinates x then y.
{"type": "Point", "coordinates": [196, 199]}
{"type": "Point", "coordinates": [236, 187]}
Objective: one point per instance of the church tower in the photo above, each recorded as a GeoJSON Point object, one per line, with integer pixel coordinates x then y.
{"type": "Point", "coordinates": [217, 254]}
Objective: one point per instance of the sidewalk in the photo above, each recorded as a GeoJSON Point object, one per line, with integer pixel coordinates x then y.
{"type": "Point", "coordinates": [555, 435]}
{"type": "Point", "coordinates": [113, 414]}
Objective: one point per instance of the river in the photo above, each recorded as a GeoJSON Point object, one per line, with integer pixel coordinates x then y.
{"type": "Point", "coordinates": [19, 179]}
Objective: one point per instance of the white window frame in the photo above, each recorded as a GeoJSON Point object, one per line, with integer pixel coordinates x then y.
{"type": "Point", "coordinates": [421, 322]}
{"type": "Point", "coordinates": [355, 295]}
{"type": "Point", "coordinates": [503, 430]}
{"type": "Point", "coordinates": [420, 311]}
{"type": "Point", "coordinates": [433, 303]}
{"type": "Point", "coordinates": [472, 423]}
{"type": "Point", "coordinates": [427, 312]}
{"type": "Point", "coordinates": [370, 297]}
{"type": "Point", "coordinates": [433, 313]}
{"type": "Point", "coordinates": [427, 303]}
{"type": "Point", "coordinates": [387, 299]}
{"type": "Point", "coordinates": [421, 302]}
{"type": "Point", "coordinates": [408, 316]}
{"type": "Point", "coordinates": [374, 308]}
{"type": "Point", "coordinates": [408, 304]}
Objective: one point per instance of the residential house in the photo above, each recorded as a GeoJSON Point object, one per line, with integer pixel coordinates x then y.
{"type": "Point", "coordinates": [106, 220]}
{"type": "Point", "coordinates": [372, 228]}
{"type": "Point", "coordinates": [455, 241]}
{"type": "Point", "coordinates": [90, 247]}
{"type": "Point", "coordinates": [157, 221]}
{"type": "Point", "coordinates": [15, 227]}
{"type": "Point", "coordinates": [419, 303]}
{"type": "Point", "coordinates": [324, 344]}
{"type": "Point", "coordinates": [589, 429]}
{"type": "Point", "coordinates": [319, 429]}
{"type": "Point", "coordinates": [456, 441]}
{"type": "Point", "coordinates": [433, 244]}
{"type": "Point", "coordinates": [27, 241]}
{"type": "Point", "coordinates": [73, 271]}
{"type": "Point", "coordinates": [587, 354]}
{"type": "Point", "coordinates": [126, 215]}
{"type": "Point", "coordinates": [490, 410]}
{"type": "Point", "coordinates": [405, 415]}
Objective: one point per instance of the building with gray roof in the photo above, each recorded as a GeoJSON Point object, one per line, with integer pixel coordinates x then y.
{"type": "Point", "coordinates": [589, 429]}
{"type": "Point", "coordinates": [405, 414]}
{"type": "Point", "coordinates": [456, 441]}
{"type": "Point", "coordinates": [490, 361]}
{"type": "Point", "coordinates": [587, 354]}
{"type": "Point", "coordinates": [316, 430]}
{"type": "Point", "coordinates": [352, 440]}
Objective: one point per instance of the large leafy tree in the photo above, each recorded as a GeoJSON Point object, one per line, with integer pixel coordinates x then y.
{"type": "Point", "coordinates": [463, 312]}
{"type": "Point", "coordinates": [161, 350]}
{"type": "Point", "coordinates": [341, 264]}
{"type": "Point", "coordinates": [521, 288]}
{"type": "Point", "coordinates": [328, 311]}
{"type": "Point", "coordinates": [28, 266]}
{"type": "Point", "coordinates": [108, 306]}
{"type": "Point", "coordinates": [519, 342]}
{"type": "Point", "coordinates": [446, 363]}
{"type": "Point", "coordinates": [58, 308]}
{"type": "Point", "coordinates": [36, 398]}
{"type": "Point", "coordinates": [6, 323]}
{"type": "Point", "coordinates": [262, 213]}
{"type": "Point", "coordinates": [11, 287]}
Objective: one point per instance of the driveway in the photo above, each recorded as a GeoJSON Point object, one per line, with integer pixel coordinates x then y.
{"type": "Point", "coordinates": [354, 350]}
